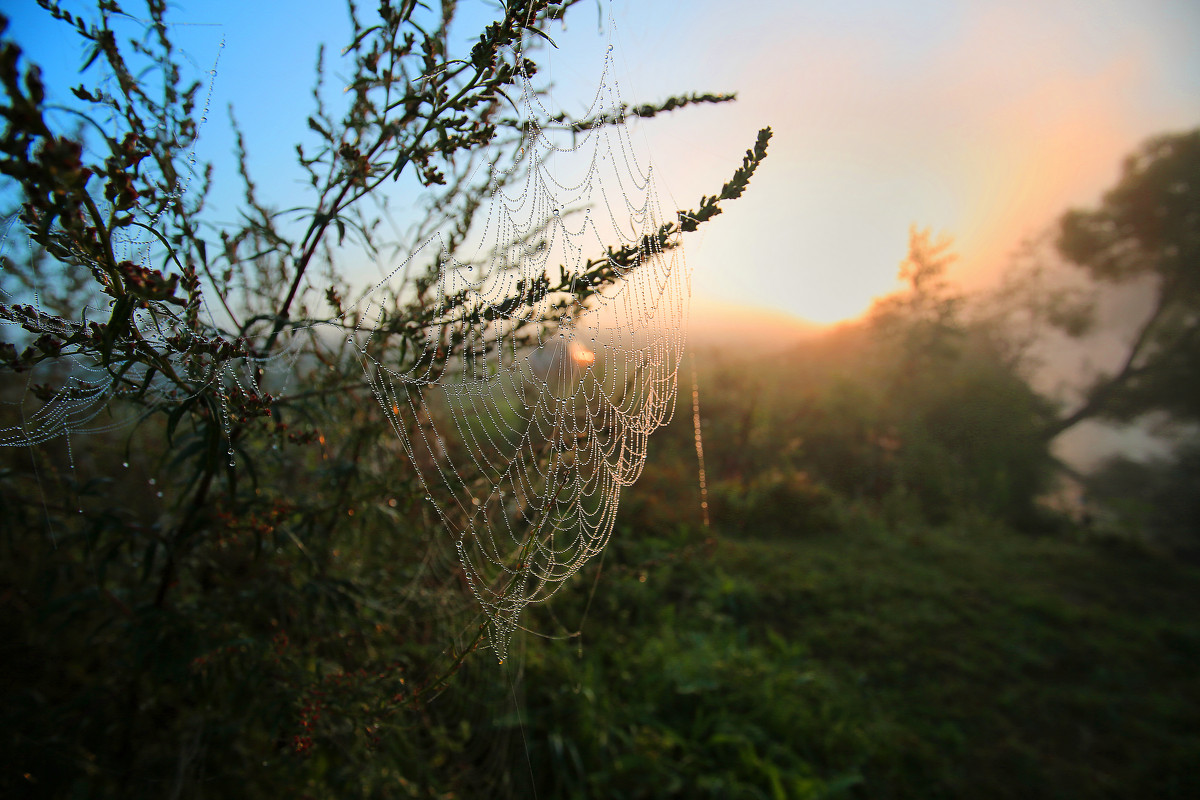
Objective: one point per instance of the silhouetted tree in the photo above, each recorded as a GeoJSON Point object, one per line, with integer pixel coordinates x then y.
{"type": "Point", "coordinates": [1147, 229]}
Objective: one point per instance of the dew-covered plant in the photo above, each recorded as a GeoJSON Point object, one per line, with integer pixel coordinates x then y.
{"type": "Point", "coordinates": [233, 551]}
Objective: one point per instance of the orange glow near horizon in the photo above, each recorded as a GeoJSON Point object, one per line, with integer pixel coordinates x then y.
{"type": "Point", "coordinates": [982, 121]}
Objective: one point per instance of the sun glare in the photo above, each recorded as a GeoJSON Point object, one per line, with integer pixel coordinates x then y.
{"type": "Point", "coordinates": [581, 356]}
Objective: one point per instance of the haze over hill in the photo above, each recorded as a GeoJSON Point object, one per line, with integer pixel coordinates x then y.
{"type": "Point", "coordinates": [760, 330]}
{"type": "Point", "coordinates": [1063, 365]}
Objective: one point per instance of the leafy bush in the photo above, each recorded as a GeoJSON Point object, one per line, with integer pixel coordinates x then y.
{"type": "Point", "coordinates": [773, 503]}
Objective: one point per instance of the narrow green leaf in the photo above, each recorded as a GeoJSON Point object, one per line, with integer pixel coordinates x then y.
{"type": "Point", "coordinates": [176, 416]}
{"type": "Point", "coordinates": [542, 34]}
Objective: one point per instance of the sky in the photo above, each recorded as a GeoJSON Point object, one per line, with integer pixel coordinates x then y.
{"type": "Point", "coordinates": [982, 120]}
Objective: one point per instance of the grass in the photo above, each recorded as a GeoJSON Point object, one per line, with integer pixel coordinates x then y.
{"type": "Point", "coordinates": [965, 661]}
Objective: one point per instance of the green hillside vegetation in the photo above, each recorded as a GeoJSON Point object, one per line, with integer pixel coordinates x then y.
{"type": "Point", "coordinates": [884, 606]}
{"type": "Point", "coordinates": [958, 661]}
{"type": "Point", "coordinates": [818, 644]}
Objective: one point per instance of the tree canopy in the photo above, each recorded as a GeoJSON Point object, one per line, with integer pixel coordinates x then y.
{"type": "Point", "coordinates": [1147, 229]}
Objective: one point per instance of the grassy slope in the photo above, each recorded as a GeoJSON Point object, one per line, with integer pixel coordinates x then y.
{"type": "Point", "coordinates": [989, 664]}
{"type": "Point", "coordinates": [967, 661]}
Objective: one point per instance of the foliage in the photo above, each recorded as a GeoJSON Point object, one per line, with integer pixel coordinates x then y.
{"type": "Point", "coordinates": [872, 660]}
{"type": "Point", "coordinates": [231, 593]}
{"type": "Point", "coordinates": [917, 408]}
{"type": "Point", "coordinates": [966, 423]}
{"type": "Point", "coordinates": [1156, 501]}
{"type": "Point", "coordinates": [774, 502]}
{"type": "Point", "coordinates": [1145, 231]}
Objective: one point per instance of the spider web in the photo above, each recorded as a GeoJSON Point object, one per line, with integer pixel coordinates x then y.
{"type": "Point", "coordinates": [527, 410]}
{"type": "Point", "coordinates": [524, 439]}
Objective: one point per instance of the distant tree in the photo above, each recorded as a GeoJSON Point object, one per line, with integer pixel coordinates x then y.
{"type": "Point", "coordinates": [916, 406]}
{"type": "Point", "coordinates": [965, 420]}
{"type": "Point", "coordinates": [925, 319]}
{"type": "Point", "coordinates": [1146, 229]}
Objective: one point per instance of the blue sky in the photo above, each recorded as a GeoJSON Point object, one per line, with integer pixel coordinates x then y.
{"type": "Point", "coordinates": [980, 119]}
